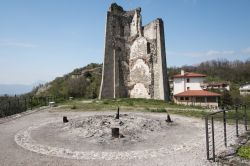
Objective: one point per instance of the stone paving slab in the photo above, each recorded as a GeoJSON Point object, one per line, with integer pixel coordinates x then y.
{"type": "Point", "coordinates": [185, 145]}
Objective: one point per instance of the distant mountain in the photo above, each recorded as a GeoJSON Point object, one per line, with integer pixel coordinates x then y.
{"type": "Point", "coordinates": [17, 89]}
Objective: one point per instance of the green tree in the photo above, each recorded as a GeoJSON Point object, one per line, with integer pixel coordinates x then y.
{"type": "Point", "coordinates": [226, 99]}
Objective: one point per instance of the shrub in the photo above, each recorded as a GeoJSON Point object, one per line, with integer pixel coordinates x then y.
{"type": "Point", "coordinates": [244, 152]}
{"type": "Point", "coordinates": [157, 110]}
{"type": "Point", "coordinates": [73, 107]}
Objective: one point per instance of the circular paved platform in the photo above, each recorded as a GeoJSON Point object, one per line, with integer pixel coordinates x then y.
{"type": "Point", "coordinates": [41, 138]}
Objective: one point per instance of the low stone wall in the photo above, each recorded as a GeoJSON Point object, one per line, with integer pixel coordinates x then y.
{"type": "Point", "coordinates": [207, 105]}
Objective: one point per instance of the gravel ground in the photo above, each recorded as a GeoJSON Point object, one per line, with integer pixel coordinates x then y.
{"type": "Point", "coordinates": [39, 139]}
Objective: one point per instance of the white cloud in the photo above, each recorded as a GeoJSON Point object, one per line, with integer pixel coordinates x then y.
{"type": "Point", "coordinates": [179, 58]}
{"type": "Point", "coordinates": [218, 53]}
{"type": "Point", "coordinates": [209, 53]}
{"type": "Point", "coordinates": [246, 50]}
{"type": "Point", "coordinates": [6, 43]}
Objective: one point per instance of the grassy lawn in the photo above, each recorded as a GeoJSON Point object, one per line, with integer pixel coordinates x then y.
{"type": "Point", "coordinates": [132, 103]}
{"type": "Point", "coordinates": [147, 105]}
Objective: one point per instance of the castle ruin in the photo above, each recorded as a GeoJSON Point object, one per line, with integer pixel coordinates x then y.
{"type": "Point", "coordinates": [135, 58]}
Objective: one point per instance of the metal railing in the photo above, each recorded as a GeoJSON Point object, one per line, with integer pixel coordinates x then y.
{"type": "Point", "coordinates": [223, 127]}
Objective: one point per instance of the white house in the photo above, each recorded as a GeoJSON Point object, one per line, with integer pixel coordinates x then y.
{"type": "Point", "coordinates": [245, 89]}
{"type": "Point", "coordinates": [221, 86]}
{"type": "Point", "coordinates": [187, 81]}
{"type": "Point", "coordinates": [187, 90]}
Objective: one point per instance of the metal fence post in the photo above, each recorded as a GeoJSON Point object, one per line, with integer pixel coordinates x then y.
{"type": "Point", "coordinates": [6, 110]}
{"type": "Point", "coordinates": [245, 120]}
{"type": "Point", "coordinates": [212, 119]}
{"type": "Point", "coordinates": [207, 137]}
{"type": "Point", "coordinates": [45, 100]}
{"type": "Point", "coordinates": [25, 102]}
{"type": "Point", "coordinates": [236, 121]}
{"type": "Point", "coordinates": [225, 127]}
{"type": "Point", "coordinates": [9, 109]}
{"type": "Point", "coordinates": [18, 102]}
{"type": "Point", "coordinates": [31, 103]}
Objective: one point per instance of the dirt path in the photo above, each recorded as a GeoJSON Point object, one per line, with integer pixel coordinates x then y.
{"type": "Point", "coordinates": [184, 144]}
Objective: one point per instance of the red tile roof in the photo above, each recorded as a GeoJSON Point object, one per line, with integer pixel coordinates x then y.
{"type": "Point", "coordinates": [187, 74]}
{"type": "Point", "coordinates": [197, 93]}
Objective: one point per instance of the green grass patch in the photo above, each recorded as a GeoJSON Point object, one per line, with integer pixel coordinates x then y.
{"type": "Point", "coordinates": [244, 152]}
{"type": "Point", "coordinates": [147, 105]}
{"type": "Point", "coordinates": [187, 112]}
{"type": "Point", "coordinates": [231, 116]}
{"type": "Point", "coordinates": [73, 107]}
{"type": "Point", "coordinates": [157, 110]}
{"type": "Point", "coordinates": [125, 103]}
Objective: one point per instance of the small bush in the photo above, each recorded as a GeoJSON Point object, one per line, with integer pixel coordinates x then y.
{"type": "Point", "coordinates": [157, 110]}
{"type": "Point", "coordinates": [73, 107]}
{"type": "Point", "coordinates": [130, 103]}
{"type": "Point", "coordinates": [105, 102]}
{"type": "Point", "coordinates": [244, 152]}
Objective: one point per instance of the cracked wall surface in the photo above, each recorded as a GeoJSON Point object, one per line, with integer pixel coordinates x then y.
{"type": "Point", "coordinates": [134, 59]}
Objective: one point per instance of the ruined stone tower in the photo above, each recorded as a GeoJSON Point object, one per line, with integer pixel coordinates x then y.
{"type": "Point", "coordinates": [135, 59]}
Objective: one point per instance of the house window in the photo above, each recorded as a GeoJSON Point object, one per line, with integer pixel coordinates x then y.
{"type": "Point", "coordinates": [200, 99]}
{"type": "Point", "coordinates": [188, 80]}
{"type": "Point", "coordinates": [211, 99]}
{"type": "Point", "coordinates": [186, 98]}
{"type": "Point", "coordinates": [182, 98]}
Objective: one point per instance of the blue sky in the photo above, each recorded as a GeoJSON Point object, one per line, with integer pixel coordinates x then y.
{"type": "Point", "coordinates": [43, 39]}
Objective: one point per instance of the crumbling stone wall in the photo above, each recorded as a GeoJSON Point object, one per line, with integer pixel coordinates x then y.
{"type": "Point", "coordinates": [134, 60]}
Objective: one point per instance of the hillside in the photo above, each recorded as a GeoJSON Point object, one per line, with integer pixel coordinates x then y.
{"type": "Point", "coordinates": [85, 82]}
{"type": "Point", "coordinates": [82, 82]}
{"type": "Point", "coordinates": [237, 72]}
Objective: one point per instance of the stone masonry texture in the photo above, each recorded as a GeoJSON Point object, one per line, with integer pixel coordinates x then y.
{"type": "Point", "coordinates": [135, 58]}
